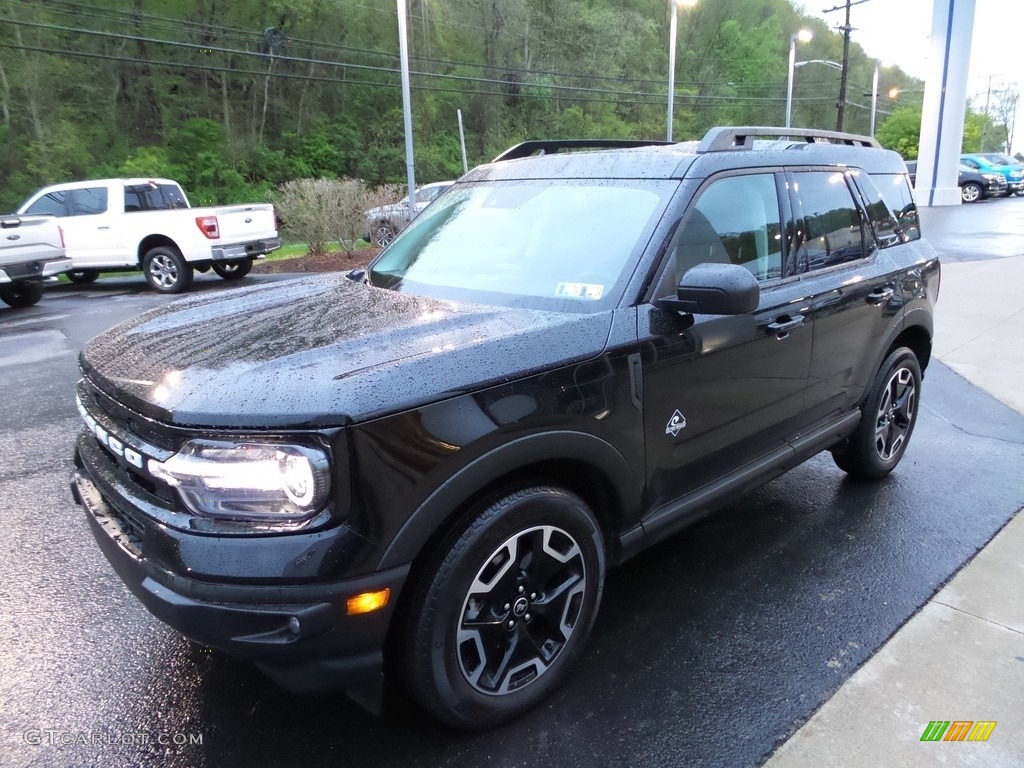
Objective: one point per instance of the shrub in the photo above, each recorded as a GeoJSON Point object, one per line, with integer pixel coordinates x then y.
{"type": "Point", "coordinates": [319, 211]}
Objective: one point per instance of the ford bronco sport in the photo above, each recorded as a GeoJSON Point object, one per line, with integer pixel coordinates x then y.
{"type": "Point", "coordinates": [426, 468]}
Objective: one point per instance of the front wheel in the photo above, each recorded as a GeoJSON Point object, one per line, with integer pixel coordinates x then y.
{"type": "Point", "coordinates": [970, 192]}
{"type": "Point", "coordinates": [505, 608]}
{"type": "Point", "coordinates": [887, 421]}
{"type": "Point", "coordinates": [233, 270]}
{"type": "Point", "coordinates": [23, 294]}
{"type": "Point", "coordinates": [166, 270]}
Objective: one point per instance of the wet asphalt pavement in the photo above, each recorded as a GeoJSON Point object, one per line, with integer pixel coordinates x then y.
{"type": "Point", "coordinates": [708, 650]}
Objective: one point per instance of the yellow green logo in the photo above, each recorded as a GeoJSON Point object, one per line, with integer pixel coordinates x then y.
{"type": "Point", "coordinates": [958, 730]}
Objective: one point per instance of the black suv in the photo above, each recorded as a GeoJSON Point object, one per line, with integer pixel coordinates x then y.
{"type": "Point", "coordinates": [427, 467]}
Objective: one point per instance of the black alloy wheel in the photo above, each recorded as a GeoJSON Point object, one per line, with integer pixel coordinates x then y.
{"type": "Point", "coordinates": [889, 416]}
{"type": "Point", "coordinates": [500, 617]}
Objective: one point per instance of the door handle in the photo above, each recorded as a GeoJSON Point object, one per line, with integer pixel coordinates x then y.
{"type": "Point", "coordinates": [880, 295]}
{"type": "Point", "coordinates": [784, 324]}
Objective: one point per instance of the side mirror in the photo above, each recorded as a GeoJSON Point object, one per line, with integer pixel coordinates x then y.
{"type": "Point", "coordinates": [714, 289]}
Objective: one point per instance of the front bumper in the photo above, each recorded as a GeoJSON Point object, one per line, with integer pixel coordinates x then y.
{"type": "Point", "coordinates": [300, 635]}
{"type": "Point", "coordinates": [250, 250]}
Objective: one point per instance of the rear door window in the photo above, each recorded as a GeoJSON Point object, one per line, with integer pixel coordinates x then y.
{"type": "Point", "coordinates": [89, 201]}
{"type": "Point", "coordinates": [833, 232]}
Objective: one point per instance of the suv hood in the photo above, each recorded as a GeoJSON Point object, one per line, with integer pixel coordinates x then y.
{"type": "Point", "coordinates": [323, 351]}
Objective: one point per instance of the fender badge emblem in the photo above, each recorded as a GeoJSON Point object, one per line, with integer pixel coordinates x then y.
{"type": "Point", "coordinates": [676, 424]}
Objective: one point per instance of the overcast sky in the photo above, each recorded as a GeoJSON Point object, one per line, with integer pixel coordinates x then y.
{"type": "Point", "coordinates": [897, 31]}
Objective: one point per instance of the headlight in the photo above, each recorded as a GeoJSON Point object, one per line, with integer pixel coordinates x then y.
{"type": "Point", "coordinates": [241, 480]}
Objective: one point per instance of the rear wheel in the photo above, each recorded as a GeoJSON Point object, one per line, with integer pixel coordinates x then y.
{"type": "Point", "coordinates": [22, 294]}
{"type": "Point", "coordinates": [505, 608]}
{"type": "Point", "coordinates": [166, 270]}
{"type": "Point", "coordinates": [83, 276]}
{"type": "Point", "coordinates": [889, 415]}
{"type": "Point", "coordinates": [233, 270]}
{"type": "Point", "coordinates": [970, 192]}
{"type": "Point", "coordinates": [382, 233]}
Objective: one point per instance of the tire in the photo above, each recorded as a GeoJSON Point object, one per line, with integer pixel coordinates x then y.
{"type": "Point", "coordinates": [382, 233]}
{"type": "Point", "coordinates": [889, 416]}
{"type": "Point", "coordinates": [83, 276]}
{"type": "Point", "coordinates": [166, 270]}
{"type": "Point", "coordinates": [500, 614]}
{"type": "Point", "coordinates": [22, 294]}
{"type": "Point", "coordinates": [971, 192]}
{"type": "Point", "coordinates": [233, 270]}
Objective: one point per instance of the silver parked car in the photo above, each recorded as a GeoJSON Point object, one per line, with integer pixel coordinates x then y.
{"type": "Point", "coordinates": [384, 223]}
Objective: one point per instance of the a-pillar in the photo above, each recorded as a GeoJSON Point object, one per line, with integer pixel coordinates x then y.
{"type": "Point", "coordinates": [945, 100]}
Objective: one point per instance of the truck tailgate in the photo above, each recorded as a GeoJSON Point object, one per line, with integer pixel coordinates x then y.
{"type": "Point", "coordinates": [242, 223]}
{"type": "Point", "coordinates": [29, 238]}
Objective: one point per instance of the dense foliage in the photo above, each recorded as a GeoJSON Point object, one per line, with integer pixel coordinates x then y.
{"type": "Point", "coordinates": [235, 98]}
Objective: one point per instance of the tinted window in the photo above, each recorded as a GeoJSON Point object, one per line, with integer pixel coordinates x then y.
{"type": "Point", "coordinates": [895, 189]}
{"type": "Point", "coordinates": [884, 221]}
{"type": "Point", "coordinates": [88, 202]}
{"type": "Point", "coordinates": [51, 202]}
{"type": "Point", "coordinates": [832, 226]}
{"type": "Point", "coordinates": [734, 221]}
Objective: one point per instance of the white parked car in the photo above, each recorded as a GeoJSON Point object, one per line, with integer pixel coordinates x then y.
{"type": "Point", "coordinates": [148, 224]}
{"type": "Point", "coordinates": [384, 223]}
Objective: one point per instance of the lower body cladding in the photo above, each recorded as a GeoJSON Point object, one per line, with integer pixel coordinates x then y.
{"type": "Point", "coordinates": [301, 635]}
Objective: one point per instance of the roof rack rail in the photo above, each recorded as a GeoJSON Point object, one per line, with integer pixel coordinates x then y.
{"type": "Point", "coordinates": [722, 139]}
{"type": "Point", "coordinates": [552, 146]}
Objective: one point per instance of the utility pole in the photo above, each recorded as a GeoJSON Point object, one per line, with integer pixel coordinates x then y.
{"type": "Point", "coordinates": [845, 29]}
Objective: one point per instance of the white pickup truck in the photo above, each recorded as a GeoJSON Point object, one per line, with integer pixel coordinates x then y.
{"type": "Point", "coordinates": [148, 224]}
{"type": "Point", "coordinates": [31, 248]}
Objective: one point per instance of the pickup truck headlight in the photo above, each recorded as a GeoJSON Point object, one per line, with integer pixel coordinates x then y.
{"type": "Point", "coordinates": [243, 480]}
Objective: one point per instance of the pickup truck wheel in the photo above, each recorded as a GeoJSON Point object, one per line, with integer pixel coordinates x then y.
{"type": "Point", "coordinates": [504, 609]}
{"type": "Point", "coordinates": [383, 233]}
{"type": "Point", "coordinates": [233, 270]}
{"type": "Point", "coordinates": [166, 270]}
{"type": "Point", "coordinates": [889, 415]}
{"type": "Point", "coordinates": [23, 294]}
{"type": "Point", "coordinates": [83, 276]}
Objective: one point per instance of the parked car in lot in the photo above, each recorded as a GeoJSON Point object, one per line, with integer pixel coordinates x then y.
{"type": "Point", "coordinates": [384, 223]}
{"type": "Point", "coordinates": [974, 185]}
{"type": "Point", "coordinates": [1014, 174]}
{"type": "Point", "coordinates": [426, 468]}
{"type": "Point", "coordinates": [148, 224]}
{"type": "Point", "coordinates": [31, 249]}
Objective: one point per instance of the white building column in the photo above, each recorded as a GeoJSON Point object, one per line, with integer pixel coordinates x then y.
{"type": "Point", "coordinates": [945, 101]}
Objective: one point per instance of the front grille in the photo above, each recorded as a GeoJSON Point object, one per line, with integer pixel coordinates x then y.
{"type": "Point", "coordinates": [149, 431]}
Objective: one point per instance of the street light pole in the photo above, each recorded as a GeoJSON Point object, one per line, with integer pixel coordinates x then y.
{"type": "Point", "coordinates": [803, 36]}
{"type": "Point", "coordinates": [672, 26]}
{"type": "Point", "coordinates": [874, 100]}
{"type": "Point", "coordinates": [403, 48]}
{"type": "Point", "coordinates": [671, 66]}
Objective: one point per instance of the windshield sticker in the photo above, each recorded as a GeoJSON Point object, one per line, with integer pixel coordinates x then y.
{"type": "Point", "coordinates": [590, 291]}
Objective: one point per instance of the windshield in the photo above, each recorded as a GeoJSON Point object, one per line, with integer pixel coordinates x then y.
{"type": "Point", "coordinates": [564, 245]}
